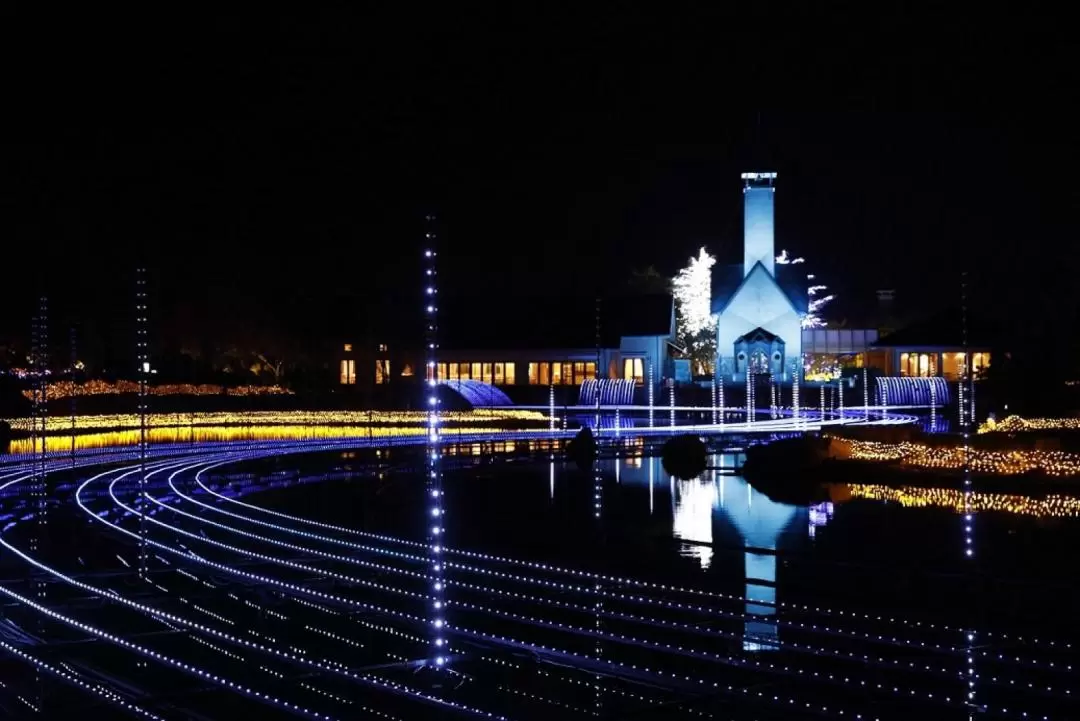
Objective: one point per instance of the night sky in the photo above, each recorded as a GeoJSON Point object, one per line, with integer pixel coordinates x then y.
{"type": "Point", "coordinates": [272, 171]}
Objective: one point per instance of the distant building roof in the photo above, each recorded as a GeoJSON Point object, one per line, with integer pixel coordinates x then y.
{"type": "Point", "coordinates": [944, 330]}
{"type": "Point", "coordinates": [519, 323]}
{"type": "Point", "coordinates": [728, 278]}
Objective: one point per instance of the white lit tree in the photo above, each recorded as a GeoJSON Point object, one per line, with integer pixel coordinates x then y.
{"type": "Point", "coordinates": [812, 318]}
{"type": "Point", "coordinates": [694, 321]}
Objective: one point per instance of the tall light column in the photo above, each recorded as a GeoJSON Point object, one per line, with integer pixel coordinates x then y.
{"type": "Point", "coordinates": [434, 511]}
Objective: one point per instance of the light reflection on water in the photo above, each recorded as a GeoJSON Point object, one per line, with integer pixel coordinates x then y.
{"type": "Point", "coordinates": [719, 497]}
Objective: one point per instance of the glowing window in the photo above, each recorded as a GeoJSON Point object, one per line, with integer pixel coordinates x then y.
{"type": "Point", "coordinates": [463, 371]}
{"type": "Point", "coordinates": [406, 371]}
{"type": "Point", "coordinates": [556, 373]}
{"type": "Point", "coordinates": [579, 370]}
{"type": "Point", "coordinates": [634, 368]}
{"type": "Point", "coordinates": [980, 362]}
{"type": "Point", "coordinates": [348, 372]}
{"type": "Point", "coordinates": [499, 379]}
{"type": "Point", "coordinates": [487, 375]}
{"type": "Point", "coordinates": [475, 372]}
{"type": "Point", "coordinates": [568, 374]}
{"type": "Point", "coordinates": [348, 347]}
{"type": "Point", "coordinates": [452, 369]}
{"type": "Point", "coordinates": [534, 373]}
{"type": "Point", "coordinates": [382, 371]}
{"type": "Point", "coordinates": [382, 347]}
{"type": "Point", "coordinates": [442, 372]}
{"type": "Point", "coordinates": [545, 374]}
{"type": "Point", "coordinates": [509, 374]}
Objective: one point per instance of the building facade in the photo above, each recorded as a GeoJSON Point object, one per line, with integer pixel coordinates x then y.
{"type": "Point", "coordinates": [758, 304]}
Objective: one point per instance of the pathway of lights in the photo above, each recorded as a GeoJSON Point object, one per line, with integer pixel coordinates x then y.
{"type": "Point", "coordinates": [1054, 463]}
{"type": "Point", "coordinates": [182, 469]}
{"type": "Point", "coordinates": [1051, 506]}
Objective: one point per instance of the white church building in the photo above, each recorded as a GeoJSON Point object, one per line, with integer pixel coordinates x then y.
{"type": "Point", "coordinates": [758, 304]}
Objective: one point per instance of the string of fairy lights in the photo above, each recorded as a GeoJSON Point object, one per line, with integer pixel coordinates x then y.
{"type": "Point", "coordinates": [436, 510]}
{"type": "Point", "coordinates": [228, 639]}
{"type": "Point", "coordinates": [1018, 424]}
{"type": "Point", "coordinates": [115, 421]}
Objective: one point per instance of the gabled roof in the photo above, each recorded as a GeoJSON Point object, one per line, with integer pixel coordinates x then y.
{"type": "Point", "coordinates": [728, 279]}
{"type": "Point", "coordinates": [759, 335]}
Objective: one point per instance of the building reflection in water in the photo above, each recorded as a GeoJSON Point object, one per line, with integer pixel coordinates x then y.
{"type": "Point", "coordinates": [720, 498]}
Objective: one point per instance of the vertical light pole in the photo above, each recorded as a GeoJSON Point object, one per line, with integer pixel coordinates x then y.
{"type": "Point", "coordinates": [551, 407]}
{"type": "Point", "coordinates": [749, 396]}
{"type": "Point", "coordinates": [71, 397]}
{"type": "Point", "coordinates": [713, 397]}
{"type": "Point", "coordinates": [840, 397]}
{"type": "Point", "coordinates": [434, 510]}
{"type": "Point", "coordinates": [40, 424]}
{"type": "Point", "coordinates": [651, 392]}
{"type": "Point", "coordinates": [596, 369]}
{"type": "Point", "coordinates": [967, 418]}
{"type": "Point", "coordinates": [795, 377]}
{"type": "Point", "coordinates": [720, 393]}
{"type": "Point", "coordinates": [142, 368]}
{"type": "Point", "coordinates": [866, 394]}
{"type": "Point", "coordinates": [933, 404]}
{"type": "Point", "coordinates": [671, 401]}
{"type": "Point", "coordinates": [822, 401]}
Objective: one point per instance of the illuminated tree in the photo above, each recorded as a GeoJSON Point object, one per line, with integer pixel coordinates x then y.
{"type": "Point", "coordinates": [812, 318]}
{"type": "Point", "coordinates": [694, 321]}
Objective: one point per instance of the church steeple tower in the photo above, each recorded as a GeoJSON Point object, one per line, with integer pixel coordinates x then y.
{"type": "Point", "coordinates": [758, 242]}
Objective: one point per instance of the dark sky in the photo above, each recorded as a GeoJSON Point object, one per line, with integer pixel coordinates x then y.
{"type": "Point", "coordinates": [272, 170]}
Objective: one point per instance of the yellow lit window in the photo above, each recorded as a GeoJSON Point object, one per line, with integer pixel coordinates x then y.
{"type": "Point", "coordinates": [442, 372]}
{"type": "Point", "coordinates": [476, 372]}
{"type": "Point", "coordinates": [568, 374]}
{"type": "Point", "coordinates": [486, 370]}
{"type": "Point", "coordinates": [453, 370]}
{"type": "Point", "coordinates": [406, 371]}
{"type": "Point", "coordinates": [579, 370]}
{"type": "Point", "coordinates": [499, 379]}
{"type": "Point", "coordinates": [980, 362]}
{"type": "Point", "coordinates": [382, 371]}
{"type": "Point", "coordinates": [556, 373]}
{"type": "Point", "coordinates": [348, 372]}
{"type": "Point", "coordinates": [509, 374]}
{"type": "Point", "coordinates": [545, 374]}
{"type": "Point", "coordinates": [590, 369]}
{"type": "Point", "coordinates": [534, 373]}
{"type": "Point", "coordinates": [348, 347]}
{"type": "Point", "coordinates": [634, 368]}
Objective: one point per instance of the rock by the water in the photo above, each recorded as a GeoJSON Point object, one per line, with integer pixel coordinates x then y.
{"type": "Point", "coordinates": [582, 449]}
{"type": "Point", "coordinates": [684, 457]}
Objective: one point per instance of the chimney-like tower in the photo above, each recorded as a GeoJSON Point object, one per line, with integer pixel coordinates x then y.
{"type": "Point", "coordinates": [758, 245]}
